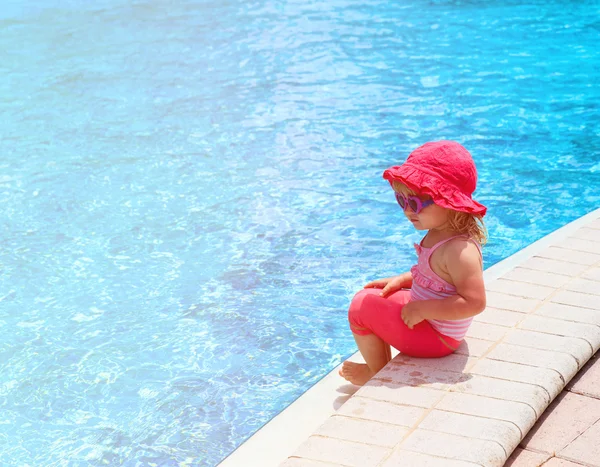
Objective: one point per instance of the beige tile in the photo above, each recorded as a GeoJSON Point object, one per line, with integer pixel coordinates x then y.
{"type": "Point", "coordinates": [521, 415]}
{"type": "Point", "coordinates": [565, 364]}
{"type": "Point", "coordinates": [470, 426]}
{"type": "Point", "coordinates": [554, 266]}
{"type": "Point", "coordinates": [500, 317]}
{"type": "Point", "coordinates": [577, 299]}
{"type": "Point", "coordinates": [559, 327]}
{"type": "Point", "coordinates": [584, 286]}
{"type": "Point", "coordinates": [569, 313]}
{"type": "Point", "coordinates": [587, 381]}
{"type": "Point", "coordinates": [537, 277]}
{"type": "Point", "coordinates": [550, 380]}
{"type": "Point", "coordinates": [473, 347]}
{"type": "Point", "coordinates": [523, 458]}
{"type": "Point", "coordinates": [584, 449]}
{"type": "Point", "coordinates": [592, 274]}
{"type": "Point", "coordinates": [362, 431]}
{"type": "Point", "coordinates": [420, 376]}
{"type": "Point", "coordinates": [579, 348]}
{"type": "Point", "coordinates": [453, 362]}
{"type": "Point", "coordinates": [570, 256]}
{"type": "Point", "coordinates": [534, 396]}
{"type": "Point", "coordinates": [341, 452]}
{"type": "Point", "coordinates": [368, 409]}
{"type": "Point", "coordinates": [399, 394]}
{"type": "Point", "coordinates": [520, 289]}
{"type": "Point", "coordinates": [509, 302]}
{"type": "Point", "coordinates": [566, 418]}
{"type": "Point", "coordinates": [485, 331]}
{"type": "Point", "coordinates": [478, 451]}
{"type": "Point", "coordinates": [587, 234]}
{"type": "Point", "coordinates": [578, 244]}
{"type": "Point", "coordinates": [418, 459]}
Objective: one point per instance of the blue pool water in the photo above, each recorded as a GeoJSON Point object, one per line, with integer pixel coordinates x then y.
{"type": "Point", "coordinates": [192, 192]}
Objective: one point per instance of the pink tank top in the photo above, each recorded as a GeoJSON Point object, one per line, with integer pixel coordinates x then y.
{"type": "Point", "coordinates": [427, 285]}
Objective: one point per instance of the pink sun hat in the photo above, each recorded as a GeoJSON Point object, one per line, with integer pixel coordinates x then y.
{"type": "Point", "coordinates": [443, 170]}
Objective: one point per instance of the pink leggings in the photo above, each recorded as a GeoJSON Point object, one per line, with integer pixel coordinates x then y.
{"type": "Point", "coordinates": [371, 314]}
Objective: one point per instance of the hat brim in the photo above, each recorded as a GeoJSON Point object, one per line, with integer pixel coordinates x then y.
{"type": "Point", "coordinates": [442, 193]}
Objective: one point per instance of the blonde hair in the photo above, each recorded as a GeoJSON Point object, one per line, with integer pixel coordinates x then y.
{"type": "Point", "coordinates": [461, 222]}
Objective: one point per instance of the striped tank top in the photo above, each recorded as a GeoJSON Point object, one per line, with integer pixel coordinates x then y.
{"type": "Point", "coordinates": [427, 285]}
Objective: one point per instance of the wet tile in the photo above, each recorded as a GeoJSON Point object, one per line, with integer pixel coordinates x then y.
{"type": "Point", "coordinates": [453, 362]}
{"type": "Point", "coordinates": [419, 376]}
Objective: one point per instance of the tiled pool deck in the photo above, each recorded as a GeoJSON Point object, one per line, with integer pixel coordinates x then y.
{"type": "Point", "coordinates": [475, 407]}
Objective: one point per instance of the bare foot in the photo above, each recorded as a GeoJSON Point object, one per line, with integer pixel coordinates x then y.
{"type": "Point", "coordinates": [356, 373]}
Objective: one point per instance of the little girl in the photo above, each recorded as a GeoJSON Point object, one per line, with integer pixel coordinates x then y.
{"type": "Point", "coordinates": [433, 188]}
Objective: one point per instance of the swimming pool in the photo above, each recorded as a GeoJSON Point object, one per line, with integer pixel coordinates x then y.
{"type": "Point", "coordinates": [192, 192]}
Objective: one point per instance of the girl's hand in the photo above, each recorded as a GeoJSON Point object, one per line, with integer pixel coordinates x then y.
{"type": "Point", "coordinates": [388, 285]}
{"type": "Point", "coordinates": [411, 314]}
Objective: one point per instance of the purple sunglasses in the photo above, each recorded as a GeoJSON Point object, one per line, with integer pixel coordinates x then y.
{"type": "Point", "coordinates": [413, 202]}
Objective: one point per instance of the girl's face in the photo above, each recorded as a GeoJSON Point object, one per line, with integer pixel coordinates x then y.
{"type": "Point", "coordinates": [429, 216]}
{"type": "Point", "coordinates": [432, 217]}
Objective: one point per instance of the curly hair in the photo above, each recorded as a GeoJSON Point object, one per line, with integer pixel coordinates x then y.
{"type": "Point", "coordinates": [461, 222]}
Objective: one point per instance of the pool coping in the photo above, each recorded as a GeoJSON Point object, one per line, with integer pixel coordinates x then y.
{"type": "Point", "coordinates": [310, 430]}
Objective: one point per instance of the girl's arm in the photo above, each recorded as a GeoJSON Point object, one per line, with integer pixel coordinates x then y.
{"type": "Point", "coordinates": [463, 265]}
{"type": "Point", "coordinates": [390, 285]}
